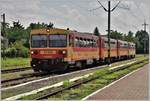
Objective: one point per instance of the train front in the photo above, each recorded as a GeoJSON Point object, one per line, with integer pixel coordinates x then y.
{"type": "Point", "coordinates": [48, 49]}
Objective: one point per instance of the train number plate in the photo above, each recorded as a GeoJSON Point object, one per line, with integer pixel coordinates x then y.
{"type": "Point", "coordinates": [48, 52]}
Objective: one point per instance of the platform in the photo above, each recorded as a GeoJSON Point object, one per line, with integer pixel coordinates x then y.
{"type": "Point", "coordinates": [131, 87]}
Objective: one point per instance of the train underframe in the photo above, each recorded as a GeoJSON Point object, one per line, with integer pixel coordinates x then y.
{"type": "Point", "coordinates": [53, 65]}
{"type": "Point", "coordinates": [49, 65]}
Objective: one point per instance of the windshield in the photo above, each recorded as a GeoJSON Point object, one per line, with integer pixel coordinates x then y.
{"type": "Point", "coordinates": [57, 40]}
{"type": "Point", "coordinates": [39, 41]}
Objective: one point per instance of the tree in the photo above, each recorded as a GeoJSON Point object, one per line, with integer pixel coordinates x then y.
{"type": "Point", "coordinates": [142, 41]}
{"type": "Point", "coordinates": [116, 35]}
{"type": "Point", "coordinates": [129, 37]}
{"type": "Point", "coordinates": [50, 25]}
{"type": "Point", "coordinates": [17, 25]}
{"type": "Point", "coordinates": [96, 32]}
{"type": "Point", "coordinates": [16, 32]}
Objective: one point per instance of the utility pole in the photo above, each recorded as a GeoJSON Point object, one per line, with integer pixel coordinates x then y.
{"type": "Point", "coordinates": [144, 24]}
{"type": "Point", "coordinates": [109, 10]}
{"type": "Point", "coordinates": [3, 35]}
{"type": "Point", "coordinates": [3, 24]}
{"type": "Point", "coordinates": [145, 39]}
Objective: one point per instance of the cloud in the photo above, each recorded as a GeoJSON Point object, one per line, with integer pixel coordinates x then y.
{"type": "Point", "coordinates": [75, 14]}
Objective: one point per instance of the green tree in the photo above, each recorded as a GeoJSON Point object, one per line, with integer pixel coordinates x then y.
{"type": "Point", "coordinates": [129, 37]}
{"type": "Point", "coordinates": [116, 35]}
{"type": "Point", "coordinates": [96, 32]}
{"type": "Point", "coordinates": [142, 41]}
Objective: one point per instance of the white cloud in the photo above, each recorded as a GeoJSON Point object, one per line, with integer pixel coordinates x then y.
{"type": "Point", "coordinates": [76, 15]}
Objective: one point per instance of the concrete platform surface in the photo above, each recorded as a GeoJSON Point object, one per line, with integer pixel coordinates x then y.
{"type": "Point", "coordinates": [132, 87]}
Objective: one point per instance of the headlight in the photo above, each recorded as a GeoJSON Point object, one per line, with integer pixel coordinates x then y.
{"type": "Point", "coordinates": [64, 52]}
{"type": "Point", "coordinates": [32, 52]}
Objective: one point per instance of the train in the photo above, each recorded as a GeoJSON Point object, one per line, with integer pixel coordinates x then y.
{"type": "Point", "coordinates": [55, 49]}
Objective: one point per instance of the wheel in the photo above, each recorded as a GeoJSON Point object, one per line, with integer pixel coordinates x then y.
{"type": "Point", "coordinates": [36, 69]}
{"type": "Point", "coordinates": [79, 64]}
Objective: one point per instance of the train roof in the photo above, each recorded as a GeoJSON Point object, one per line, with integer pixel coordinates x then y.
{"type": "Point", "coordinates": [48, 31]}
{"type": "Point", "coordinates": [105, 38]}
{"type": "Point", "coordinates": [63, 31]}
{"type": "Point", "coordinates": [84, 35]}
{"type": "Point", "coordinates": [131, 43]}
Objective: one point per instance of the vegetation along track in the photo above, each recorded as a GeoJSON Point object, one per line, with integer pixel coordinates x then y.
{"type": "Point", "coordinates": [6, 93]}
{"type": "Point", "coordinates": [18, 80]}
{"type": "Point", "coordinates": [109, 74]}
{"type": "Point", "coordinates": [28, 77]}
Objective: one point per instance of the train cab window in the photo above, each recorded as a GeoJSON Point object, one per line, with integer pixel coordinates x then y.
{"type": "Point", "coordinates": [57, 40]}
{"type": "Point", "coordinates": [39, 41]}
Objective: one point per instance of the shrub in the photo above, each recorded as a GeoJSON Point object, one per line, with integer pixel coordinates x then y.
{"type": "Point", "coordinates": [16, 50]}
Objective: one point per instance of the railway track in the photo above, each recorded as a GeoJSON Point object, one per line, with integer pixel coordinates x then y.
{"type": "Point", "coordinates": [83, 81]}
{"type": "Point", "coordinates": [22, 79]}
{"type": "Point", "coordinates": [15, 70]}
{"type": "Point", "coordinates": [35, 84]}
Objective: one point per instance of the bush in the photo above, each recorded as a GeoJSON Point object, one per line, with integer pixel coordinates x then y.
{"type": "Point", "coordinates": [16, 50]}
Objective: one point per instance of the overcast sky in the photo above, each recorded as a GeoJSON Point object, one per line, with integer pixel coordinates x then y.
{"type": "Point", "coordinates": [77, 14]}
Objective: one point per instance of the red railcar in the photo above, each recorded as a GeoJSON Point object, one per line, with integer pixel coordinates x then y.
{"type": "Point", "coordinates": [103, 49]}
{"type": "Point", "coordinates": [131, 49]}
{"type": "Point", "coordinates": [123, 49]}
{"type": "Point", "coordinates": [56, 49]}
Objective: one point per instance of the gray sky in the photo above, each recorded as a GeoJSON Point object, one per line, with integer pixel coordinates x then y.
{"type": "Point", "coordinates": [76, 14]}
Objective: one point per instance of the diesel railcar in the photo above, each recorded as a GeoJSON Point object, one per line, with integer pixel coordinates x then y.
{"type": "Point", "coordinates": [54, 49]}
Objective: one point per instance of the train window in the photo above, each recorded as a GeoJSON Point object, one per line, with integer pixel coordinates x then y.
{"type": "Point", "coordinates": [95, 43]}
{"type": "Point", "coordinates": [87, 43]}
{"type": "Point", "coordinates": [57, 40]}
{"type": "Point", "coordinates": [70, 40]}
{"type": "Point", "coordinates": [113, 44]}
{"type": "Point", "coordinates": [105, 44]}
{"type": "Point", "coordinates": [84, 42]}
{"type": "Point", "coordinates": [80, 42]}
{"type": "Point", "coordinates": [39, 41]}
{"type": "Point", "coordinates": [76, 42]}
{"type": "Point", "coordinates": [91, 43]}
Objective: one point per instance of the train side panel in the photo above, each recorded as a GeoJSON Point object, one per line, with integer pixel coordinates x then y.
{"type": "Point", "coordinates": [104, 48]}
{"type": "Point", "coordinates": [131, 49]}
{"type": "Point", "coordinates": [123, 50]}
{"type": "Point", "coordinates": [83, 48]}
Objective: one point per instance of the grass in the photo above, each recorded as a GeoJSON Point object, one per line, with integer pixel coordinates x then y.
{"type": "Point", "coordinates": [88, 88]}
{"type": "Point", "coordinates": [66, 83]}
{"type": "Point", "coordinates": [85, 89]}
{"type": "Point", "coordinates": [11, 63]}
